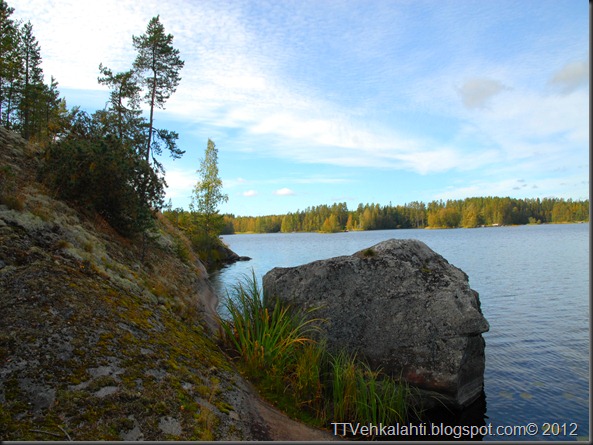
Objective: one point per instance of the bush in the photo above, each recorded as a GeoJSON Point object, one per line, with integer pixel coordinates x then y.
{"type": "Point", "coordinates": [100, 172]}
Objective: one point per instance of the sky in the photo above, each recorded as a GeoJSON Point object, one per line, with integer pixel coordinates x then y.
{"type": "Point", "coordinates": [374, 101]}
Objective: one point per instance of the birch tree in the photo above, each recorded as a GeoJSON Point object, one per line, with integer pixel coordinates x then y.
{"type": "Point", "coordinates": [208, 194]}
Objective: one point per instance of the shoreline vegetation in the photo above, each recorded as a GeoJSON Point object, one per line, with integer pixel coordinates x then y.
{"type": "Point", "coordinates": [277, 350]}
{"type": "Point", "coordinates": [98, 254]}
{"type": "Point", "coordinates": [467, 213]}
{"type": "Point", "coordinates": [403, 228]}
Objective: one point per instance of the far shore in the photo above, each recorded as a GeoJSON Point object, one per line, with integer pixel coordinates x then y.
{"type": "Point", "coordinates": [415, 228]}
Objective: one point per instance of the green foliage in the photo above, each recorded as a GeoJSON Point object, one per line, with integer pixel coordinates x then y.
{"type": "Point", "coordinates": [205, 221]}
{"type": "Point", "coordinates": [207, 194]}
{"type": "Point", "coordinates": [278, 351]}
{"type": "Point", "coordinates": [158, 65]}
{"type": "Point", "coordinates": [266, 340]}
{"type": "Point", "coordinates": [98, 171]}
{"type": "Point", "coordinates": [32, 80]}
{"type": "Point", "coordinates": [364, 395]}
{"type": "Point", "coordinates": [469, 212]}
{"type": "Point", "coordinates": [207, 247]}
{"type": "Point", "coordinates": [10, 64]}
{"type": "Point", "coordinates": [124, 102]}
{"type": "Point", "coordinates": [27, 104]}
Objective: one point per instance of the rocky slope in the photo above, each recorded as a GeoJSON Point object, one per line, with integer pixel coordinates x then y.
{"type": "Point", "coordinates": [104, 339]}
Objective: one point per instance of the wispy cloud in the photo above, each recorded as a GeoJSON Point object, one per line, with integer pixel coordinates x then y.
{"type": "Point", "coordinates": [180, 184]}
{"type": "Point", "coordinates": [475, 93]}
{"type": "Point", "coordinates": [565, 187]}
{"type": "Point", "coordinates": [572, 76]}
{"type": "Point", "coordinates": [456, 88]}
{"type": "Point", "coordinates": [316, 179]}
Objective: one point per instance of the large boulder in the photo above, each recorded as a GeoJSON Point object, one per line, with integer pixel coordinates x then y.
{"type": "Point", "coordinates": [401, 306]}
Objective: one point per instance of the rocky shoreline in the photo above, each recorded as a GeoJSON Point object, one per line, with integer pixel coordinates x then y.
{"type": "Point", "coordinates": [97, 344]}
{"type": "Point", "coordinates": [403, 308]}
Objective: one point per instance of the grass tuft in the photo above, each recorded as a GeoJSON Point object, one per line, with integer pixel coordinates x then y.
{"type": "Point", "coordinates": [264, 339]}
{"type": "Point", "coordinates": [277, 350]}
{"type": "Point", "coordinates": [368, 252]}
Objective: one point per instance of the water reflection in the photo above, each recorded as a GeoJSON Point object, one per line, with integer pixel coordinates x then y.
{"type": "Point", "coordinates": [467, 424]}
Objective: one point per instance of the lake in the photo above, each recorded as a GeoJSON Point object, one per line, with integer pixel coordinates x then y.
{"type": "Point", "coordinates": [533, 283]}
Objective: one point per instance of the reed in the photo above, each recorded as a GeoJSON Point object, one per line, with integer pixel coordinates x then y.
{"type": "Point", "coordinates": [343, 374]}
{"type": "Point", "coordinates": [364, 395]}
{"type": "Point", "coordinates": [266, 340]}
{"type": "Point", "coordinates": [278, 350]}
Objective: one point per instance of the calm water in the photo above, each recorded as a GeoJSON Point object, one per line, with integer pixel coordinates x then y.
{"type": "Point", "coordinates": [534, 290]}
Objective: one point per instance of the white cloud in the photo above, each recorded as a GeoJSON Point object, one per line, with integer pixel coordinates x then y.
{"type": "Point", "coordinates": [315, 179]}
{"type": "Point", "coordinates": [284, 192]}
{"type": "Point", "coordinates": [75, 36]}
{"type": "Point", "coordinates": [244, 71]}
{"type": "Point", "coordinates": [572, 76]}
{"type": "Point", "coordinates": [231, 183]}
{"type": "Point", "coordinates": [562, 187]}
{"type": "Point", "coordinates": [180, 183]}
{"type": "Point", "coordinates": [475, 93]}
{"type": "Point", "coordinates": [249, 193]}
{"type": "Point", "coordinates": [528, 123]}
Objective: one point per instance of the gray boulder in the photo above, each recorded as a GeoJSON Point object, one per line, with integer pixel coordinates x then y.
{"type": "Point", "coordinates": [401, 306]}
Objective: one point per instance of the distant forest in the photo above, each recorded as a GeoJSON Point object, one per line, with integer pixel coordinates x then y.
{"type": "Point", "coordinates": [469, 213]}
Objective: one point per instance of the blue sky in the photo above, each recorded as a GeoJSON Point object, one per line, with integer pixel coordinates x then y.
{"type": "Point", "coordinates": [315, 102]}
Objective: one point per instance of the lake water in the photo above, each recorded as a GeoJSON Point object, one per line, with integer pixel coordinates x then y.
{"type": "Point", "coordinates": [533, 283]}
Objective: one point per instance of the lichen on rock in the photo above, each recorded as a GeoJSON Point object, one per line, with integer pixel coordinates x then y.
{"type": "Point", "coordinates": [404, 308]}
{"type": "Point", "coordinates": [104, 337]}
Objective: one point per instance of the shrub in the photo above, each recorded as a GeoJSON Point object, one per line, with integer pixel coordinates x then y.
{"type": "Point", "coordinates": [100, 172]}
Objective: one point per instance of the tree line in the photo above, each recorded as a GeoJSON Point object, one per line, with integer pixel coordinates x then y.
{"type": "Point", "coordinates": [105, 161]}
{"type": "Point", "coordinates": [108, 161]}
{"type": "Point", "coordinates": [469, 213]}
{"type": "Point", "coordinates": [28, 105]}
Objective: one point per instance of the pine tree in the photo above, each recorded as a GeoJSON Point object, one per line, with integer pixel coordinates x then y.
{"type": "Point", "coordinates": [48, 115]}
{"type": "Point", "coordinates": [10, 64]}
{"type": "Point", "coordinates": [32, 82]}
{"type": "Point", "coordinates": [124, 103]}
{"type": "Point", "coordinates": [158, 64]}
{"type": "Point", "coordinates": [55, 117]}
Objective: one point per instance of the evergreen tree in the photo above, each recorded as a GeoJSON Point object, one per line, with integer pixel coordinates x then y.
{"type": "Point", "coordinates": [31, 82]}
{"type": "Point", "coordinates": [56, 114]}
{"type": "Point", "coordinates": [124, 103]}
{"type": "Point", "coordinates": [97, 171]}
{"type": "Point", "coordinates": [10, 64]}
{"type": "Point", "coordinates": [158, 64]}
